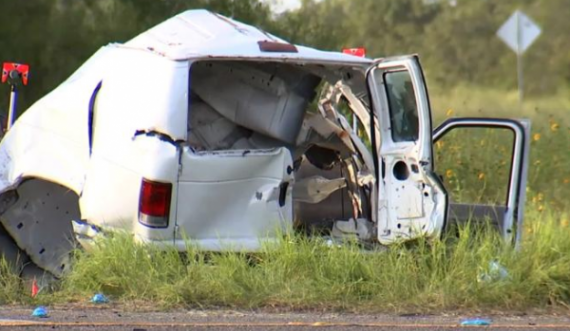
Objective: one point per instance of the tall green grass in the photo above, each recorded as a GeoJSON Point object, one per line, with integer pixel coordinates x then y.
{"type": "Point", "coordinates": [10, 287]}
{"type": "Point", "coordinates": [308, 273]}
{"type": "Point", "coordinates": [466, 155]}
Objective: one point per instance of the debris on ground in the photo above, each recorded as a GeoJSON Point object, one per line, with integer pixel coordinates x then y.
{"type": "Point", "coordinates": [495, 272]}
{"type": "Point", "coordinates": [40, 312]}
{"type": "Point", "coordinates": [476, 322]}
{"type": "Point", "coordinates": [99, 298]}
{"type": "Point", "coordinates": [35, 288]}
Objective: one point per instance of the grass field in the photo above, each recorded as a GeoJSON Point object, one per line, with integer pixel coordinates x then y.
{"type": "Point", "coordinates": [475, 163]}
{"type": "Point", "coordinates": [301, 273]}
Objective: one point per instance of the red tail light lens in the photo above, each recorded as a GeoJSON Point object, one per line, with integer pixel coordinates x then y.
{"type": "Point", "coordinates": [154, 204]}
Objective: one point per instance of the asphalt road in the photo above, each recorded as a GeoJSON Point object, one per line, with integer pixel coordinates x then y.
{"type": "Point", "coordinates": [112, 318]}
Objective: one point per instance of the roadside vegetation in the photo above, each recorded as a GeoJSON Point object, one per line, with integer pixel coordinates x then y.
{"type": "Point", "coordinates": [456, 40]}
{"type": "Point", "coordinates": [475, 162]}
{"type": "Point", "coordinates": [469, 72]}
{"type": "Point", "coordinates": [473, 271]}
{"type": "Point", "coordinates": [468, 269]}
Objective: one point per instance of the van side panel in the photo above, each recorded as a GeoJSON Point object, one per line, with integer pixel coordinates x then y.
{"type": "Point", "coordinates": [140, 113]}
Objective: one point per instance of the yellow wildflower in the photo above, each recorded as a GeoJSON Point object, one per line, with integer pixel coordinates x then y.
{"type": "Point", "coordinates": [439, 144]}
{"type": "Point", "coordinates": [564, 223]}
{"type": "Point", "coordinates": [481, 176]}
{"type": "Point", "coordinates": [554, 126]}
{"type": "Point", "coordinates": [540, 208]}
{"type": "Point", "coordinates": [536, 137]}
{"type": "Point", "coordinates": [449, 173]}
{"type": "Point", "coordinates": [449, 112]}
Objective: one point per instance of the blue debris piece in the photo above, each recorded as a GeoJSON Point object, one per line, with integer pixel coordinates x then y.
{"type": "Point", "coordinates": [476, 322]}
{"type": "Point", "coordinates": [99, 298]}
{"type": "Point", "coordinates": [40, 312]}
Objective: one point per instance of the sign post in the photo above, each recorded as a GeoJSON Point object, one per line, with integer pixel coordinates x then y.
{"type": "Point", "coordinates": [519, 32]}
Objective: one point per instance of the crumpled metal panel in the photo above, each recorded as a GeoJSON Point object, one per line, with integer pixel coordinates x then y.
{"type": "Point", "coordinates": [40, 223]}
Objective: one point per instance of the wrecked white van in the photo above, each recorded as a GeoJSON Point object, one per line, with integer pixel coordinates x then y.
{"type": "Point", "coordinates": [209, 130]}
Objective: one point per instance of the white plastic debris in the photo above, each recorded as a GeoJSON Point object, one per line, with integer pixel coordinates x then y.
{"type": "Point", "coordinates": [495, 272]}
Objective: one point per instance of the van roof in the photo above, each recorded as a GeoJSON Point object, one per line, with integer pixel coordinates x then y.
{"type": "Point", "coordinates": [196, 34]}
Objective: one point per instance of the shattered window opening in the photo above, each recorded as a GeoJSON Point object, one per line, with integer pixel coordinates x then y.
{"type": "Point", "coordinates": [404, 118]}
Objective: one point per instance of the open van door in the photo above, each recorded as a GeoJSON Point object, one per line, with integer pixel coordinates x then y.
{"type": "Point", "coordinates": [507, 216]}
{"type": "Point", "coordinates": [412, 201]}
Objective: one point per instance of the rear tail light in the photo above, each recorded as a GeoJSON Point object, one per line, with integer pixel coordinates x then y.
{"type": "Point", "coordinates": [154, 203]}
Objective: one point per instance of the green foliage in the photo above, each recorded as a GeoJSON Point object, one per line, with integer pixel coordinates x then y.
{"type": "Point", "coordinates": [457, 43]}
{"type": "Point", "coordinates": [469, 72]}
{"type": "Point", "coordinates": [56, 36]}
{"type": "Point", "coordinates": [301, 272]}
{"type": "Point", "coordinates": [474, 163]}
{"type": "Point", "coordinates": [10, 287]}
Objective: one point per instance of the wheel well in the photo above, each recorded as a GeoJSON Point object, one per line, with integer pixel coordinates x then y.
{"type": "Point", "coordinates": [38, 215]}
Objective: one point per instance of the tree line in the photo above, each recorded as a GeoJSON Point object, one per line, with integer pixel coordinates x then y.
{"type": "Point", "coordinates": [456, 40]}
